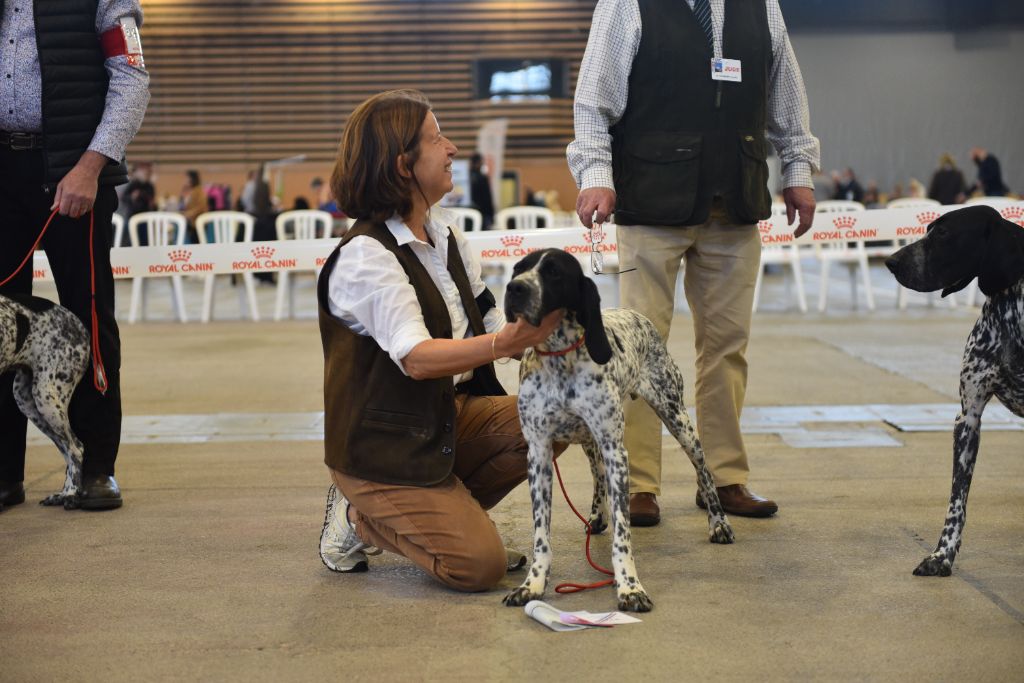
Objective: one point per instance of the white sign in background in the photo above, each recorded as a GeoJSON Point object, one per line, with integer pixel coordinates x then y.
{"type": "Point", "coordinates": [499, 245]}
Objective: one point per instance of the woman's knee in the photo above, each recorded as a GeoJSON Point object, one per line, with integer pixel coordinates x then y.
{"type": "Point", "coordinates": [479, 568]}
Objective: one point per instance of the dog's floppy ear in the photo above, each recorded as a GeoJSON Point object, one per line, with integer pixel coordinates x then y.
{"type": "Point", "coordinates": [589, 315]}
{"type": "Point", "coordinates": [1003, 264]}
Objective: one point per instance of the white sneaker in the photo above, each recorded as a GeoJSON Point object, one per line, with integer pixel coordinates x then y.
{"type": "Point", "coordinates": [341, 550]}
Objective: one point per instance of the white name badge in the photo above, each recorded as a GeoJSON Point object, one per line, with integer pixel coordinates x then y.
{"type": "Point", "coordinates": [726, 70]}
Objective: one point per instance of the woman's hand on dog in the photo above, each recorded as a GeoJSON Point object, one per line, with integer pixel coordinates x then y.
{"type": "Point", "coordinates": [516, 337]}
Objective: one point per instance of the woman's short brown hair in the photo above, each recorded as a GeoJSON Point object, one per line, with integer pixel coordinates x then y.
{"type": "Point", "coordinates": [365, 181]}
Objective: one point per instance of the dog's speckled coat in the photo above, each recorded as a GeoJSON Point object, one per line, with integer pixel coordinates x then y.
{"type": "Point", "coordinates": [47, 347]}
{"type": "Point", "coordinates": [578, 397]}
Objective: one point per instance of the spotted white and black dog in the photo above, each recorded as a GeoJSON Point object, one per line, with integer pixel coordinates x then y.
{"type": "Point", "coordinates": [961, 245]}
{"type": "Point", "coordinates": [47, 347]}
{"type": "Point", "coordinates": [578, 397]}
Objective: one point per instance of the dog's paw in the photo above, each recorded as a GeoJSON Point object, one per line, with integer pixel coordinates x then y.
{"type": "Point", "coordinates": [69, 501]}
{"type": "Point", "coordinates": [637, 601]}
{"type": "Point", "coordinates": [721, 533]}
{"type": "Point", "coordinates": [934, 565]}
{"type": "Point", "coordinates": [597, 523]}
{"type": "Point", "coordinates": [53, 500]}
{"type": "Point", "coordinates": [520, 597]}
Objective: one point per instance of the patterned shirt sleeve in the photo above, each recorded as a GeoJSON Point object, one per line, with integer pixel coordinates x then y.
{"type": "Point", "coordinates": [128, 92]}
{"type": "Point", "coordinates": [602, 89]}
{"type": "Point", "coordinates": [789, 127]}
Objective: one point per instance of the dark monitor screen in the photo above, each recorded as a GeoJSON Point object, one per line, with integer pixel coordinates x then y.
{"type": "Point", "coordinates": [511, 80]}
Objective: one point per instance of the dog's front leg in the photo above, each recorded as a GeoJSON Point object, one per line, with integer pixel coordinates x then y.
{"type": "Point", "coordinates": [539, 473]}
{"type": "Point", "coordinates": [966, 438]}
{"type": "Point", "coordinates": [599, 503]}
{"type": "Point", "coordinates": [631, 595]}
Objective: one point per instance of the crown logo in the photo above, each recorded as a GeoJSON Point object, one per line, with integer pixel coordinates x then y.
{"type": "Point", "coordinates": [1014, 213]}
{"type": "Point", "coordinates": [764, 227]}
{"type": "Point", "coordinates": [596, 232]}
{"type": "Point", "coordinates": [263, 252]}
{"type": "Point", "coordinates": [926, 217]}
{"type": "Point", "coordinates": [179, 255]}
{"type": "Point", "coordinates": [844, 222]}
{"type": "Point", "coordinates": [512, 240]}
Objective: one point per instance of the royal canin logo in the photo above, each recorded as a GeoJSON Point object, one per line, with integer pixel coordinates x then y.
{"type": "Point", "coordinates": [1014, 214]}
{"type": "Point", "coordinates": [263, 252]}
{"type": "Point", "coordinates": [764, 227]}
{"type": "Point", "coordinates": [588, 235]}
{"type": "Point", "coordinates": [844, 222]}
{"type": "Point", "coordinates": [926, 217]}
{"type": "Point", "coordinates": [512, 240]}
{"type": "Point", "coordinates": [179, 255]}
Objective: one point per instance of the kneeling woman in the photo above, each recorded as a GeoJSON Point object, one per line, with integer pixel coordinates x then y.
{"type": "Point", "coordinates": [420, 437]}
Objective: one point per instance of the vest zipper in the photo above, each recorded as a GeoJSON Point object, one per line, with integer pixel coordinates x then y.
{"type": "Point", "coordinates": [718, 96]}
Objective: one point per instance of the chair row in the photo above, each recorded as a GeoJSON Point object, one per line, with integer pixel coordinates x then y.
{"type": "Point", "coordinates": [162, 228]}
{"type": "Point", "coordinates": [854, 255]}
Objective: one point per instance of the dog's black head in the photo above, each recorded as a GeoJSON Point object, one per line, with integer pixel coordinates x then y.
{"type": "Point", "coordinates": [551, 279]}
{"type": "Point", "coordinates": [973, 242]}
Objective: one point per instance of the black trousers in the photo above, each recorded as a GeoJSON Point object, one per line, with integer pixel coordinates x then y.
{"type": "Point", "coordinates": [24, 207]}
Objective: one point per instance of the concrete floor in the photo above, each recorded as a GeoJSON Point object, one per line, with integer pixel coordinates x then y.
{"type": "Point", "coordinates": [210, 570]}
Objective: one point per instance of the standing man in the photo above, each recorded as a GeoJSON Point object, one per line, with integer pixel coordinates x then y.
{"type": "Point", "coordinates": [990, 175]}
{"type": "Point", "coordinates": [673, 114]}
{"type": "Point", "coordinates": [73, 92]}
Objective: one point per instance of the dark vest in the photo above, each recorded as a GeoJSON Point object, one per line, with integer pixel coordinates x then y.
{"type": "Point", "coordinates": [74, 85]}
{"type": "Point", "coordinates": [380, 424]}
{"type": "Point", "coordinates": [684, 138]}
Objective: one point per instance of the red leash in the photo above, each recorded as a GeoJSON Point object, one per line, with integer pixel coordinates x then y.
{"type": "Point", "coordinates": [99, 374]}
{"type": "Point", "coordinates": [569, 587]}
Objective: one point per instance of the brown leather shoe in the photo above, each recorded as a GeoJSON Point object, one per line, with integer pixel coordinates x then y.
{"type": "Point", "coordinates": [643, 509]}
{"type": "Point", "coordinates": [738, 500]}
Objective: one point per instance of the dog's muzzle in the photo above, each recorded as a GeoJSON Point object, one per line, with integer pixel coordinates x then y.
{"type": "Point", "coordinates": [521, 299]}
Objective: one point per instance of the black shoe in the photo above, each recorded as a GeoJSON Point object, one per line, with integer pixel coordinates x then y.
{"type": "Point", "coordinates": [11, 493]}
{"type": "Point", "coordinates": [99, 493]}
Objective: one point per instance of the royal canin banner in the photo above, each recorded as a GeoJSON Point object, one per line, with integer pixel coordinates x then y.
{"type": "Point", "coordinates": [502, 245]}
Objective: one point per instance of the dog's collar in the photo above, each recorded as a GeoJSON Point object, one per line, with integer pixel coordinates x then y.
{"type": "Point", "coordinates": [578, 344]}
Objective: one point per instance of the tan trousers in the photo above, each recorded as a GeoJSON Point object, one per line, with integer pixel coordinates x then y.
{"type": "Point", "coordinates": [444, 528]}
{"type": "Point", "coordinates": [722, 261]}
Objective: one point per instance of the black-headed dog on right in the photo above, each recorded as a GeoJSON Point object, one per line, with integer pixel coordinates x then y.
{"type": "Point", "coordinates": [961, 245]}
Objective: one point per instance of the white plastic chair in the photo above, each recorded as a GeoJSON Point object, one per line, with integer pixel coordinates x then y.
{"type": "Point", "coordinates": [781, 255]}
{"type": "Point", "coordinates": [468, 220]}
{"type": "Point", "coordinates": [853, 257]}
{"type": "Point", "coordinates": [163, 229]}
{"type": "Point", "coordinates": [524, 218]}
{"type": "Point", "coordinates": [913, 203]}
{"type": "Point", "coordinates": [306, 224]}
{"type": "Point", "coordinates": [118, 222]}
{"type": "Point", "coordinates": [997, 203]}
{"type": "Point", "coordinates": [222, 227]}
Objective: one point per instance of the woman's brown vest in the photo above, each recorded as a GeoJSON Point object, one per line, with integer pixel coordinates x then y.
{"type": "Point", "coordinates": [380, 424]}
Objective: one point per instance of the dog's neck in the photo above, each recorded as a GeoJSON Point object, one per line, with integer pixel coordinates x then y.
{"type": "Point", "coordinates": [566, 338]}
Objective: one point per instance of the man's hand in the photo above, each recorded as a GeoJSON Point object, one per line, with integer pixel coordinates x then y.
{"type": "Point", "coordinates": [799, 200]}
{"type": "Point", "coordinates": [76, 192]}
{"type": "Point", "coordinates": [599, 199]}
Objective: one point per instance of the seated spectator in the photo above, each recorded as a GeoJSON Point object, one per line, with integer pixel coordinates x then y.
{"type": "Point", "coordinates": [846, 186]}
{"type": "Point", "coordinates": [948, 185]}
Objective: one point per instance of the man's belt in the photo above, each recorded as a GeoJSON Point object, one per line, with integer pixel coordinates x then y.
{"type": "Point", "coordinates": [21, 141]}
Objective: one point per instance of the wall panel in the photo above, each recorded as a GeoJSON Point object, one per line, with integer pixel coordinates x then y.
{"type": "Point", "coordinates": [250, 81]}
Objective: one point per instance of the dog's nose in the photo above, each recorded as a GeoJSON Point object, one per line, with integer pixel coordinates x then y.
{"type": "Point", "coordinates": [892, 263]}
{"type": "Point", "coordinates": [517, 289]}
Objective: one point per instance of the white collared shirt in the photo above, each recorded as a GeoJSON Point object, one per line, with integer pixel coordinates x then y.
{"type": "Point", "coordinates": [370, 292]}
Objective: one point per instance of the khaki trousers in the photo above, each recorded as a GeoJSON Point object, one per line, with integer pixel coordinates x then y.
{"type": "Point", "coordinates": [444, 528]}
{"type": "Point", "coordinates": [722, 261]}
